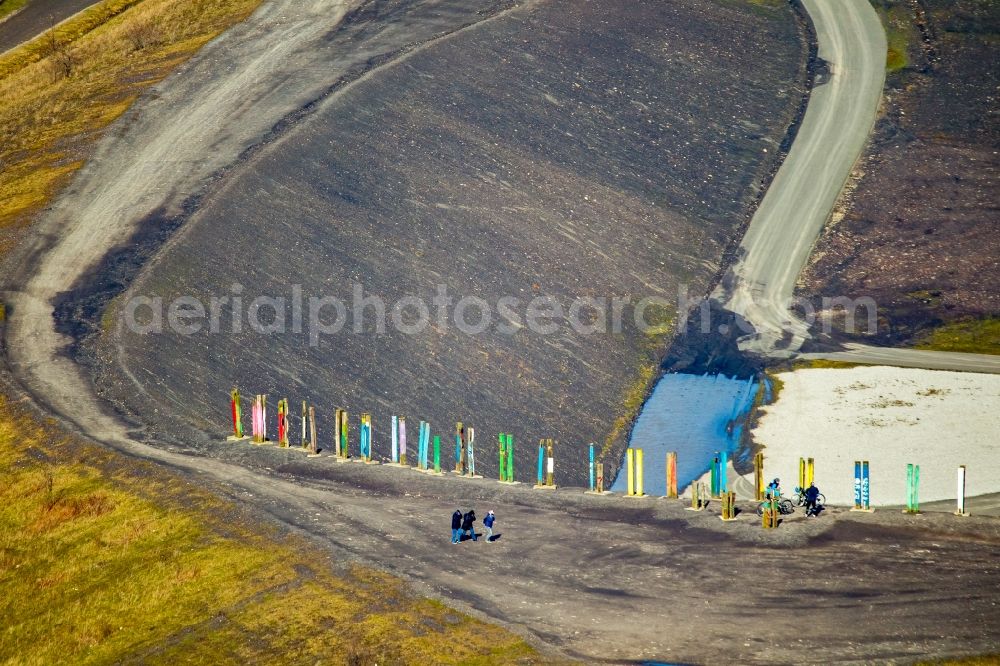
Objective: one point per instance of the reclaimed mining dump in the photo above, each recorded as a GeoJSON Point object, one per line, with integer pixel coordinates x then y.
{"type": "Point", "coordinates": [564, 149]}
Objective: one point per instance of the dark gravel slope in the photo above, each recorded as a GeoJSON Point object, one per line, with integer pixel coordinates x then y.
{"type": "Point", "coordinates": [564, 149]}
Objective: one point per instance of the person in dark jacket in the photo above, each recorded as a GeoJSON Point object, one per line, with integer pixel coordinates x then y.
{"type": "Point", "coordinates": [456, 526]}
{"type": "Point", "coordinates": [812, 497]}
{"type": "Point", "coordinates": [488, 524]}
{"type": "Point", "coordinates": [467, 526]}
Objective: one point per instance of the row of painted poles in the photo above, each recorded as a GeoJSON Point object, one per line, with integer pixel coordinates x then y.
{"type": "Point", "coordinates": [465, 461]}
{"type": "Point", "coordinates": [465, 456]}
{"type": "Point", "coordinates": [718, 487]}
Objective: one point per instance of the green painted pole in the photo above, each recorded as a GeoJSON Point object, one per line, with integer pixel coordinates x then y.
{"type": "Point", "coordinates": [437, 453]}
{"type": "Point", "coordinates": [510, 457]}
{"type": "Point", "coordinates": [502, 438]}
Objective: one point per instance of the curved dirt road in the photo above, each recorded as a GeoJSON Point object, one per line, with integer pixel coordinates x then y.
{"type": "Point", "coordinates": [838, 120]}
{"type": "Point", "coordinates": [594, 578]}
{"type": "Point", "coordinates": [777, 245]}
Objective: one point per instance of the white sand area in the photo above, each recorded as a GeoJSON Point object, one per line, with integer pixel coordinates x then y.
{"type": "Point", "coordinates": [890, 417]}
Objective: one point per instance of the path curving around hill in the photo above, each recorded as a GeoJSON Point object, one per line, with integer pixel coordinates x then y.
{"type": "Point", "coordinates": [839, 118]}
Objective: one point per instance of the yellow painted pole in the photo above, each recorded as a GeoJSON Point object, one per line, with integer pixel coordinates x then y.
{"type": "Point", "coordinates": [802, 473]}
{"type": "Point", "coordinates": [638, 473]}
{"type": "Point", "coordinates": [630, 461]}
{"type": "Point", "coordinates": [810, 472]}
{"type": "Point", "coordinates": [758, 472]}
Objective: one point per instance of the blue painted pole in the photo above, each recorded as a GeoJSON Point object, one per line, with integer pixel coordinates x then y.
{"type": "Point", "coordinates": [591, 468]}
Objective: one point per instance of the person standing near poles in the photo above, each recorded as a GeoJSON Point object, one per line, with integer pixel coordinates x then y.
{"type": "Point", "coordinates": [467, 524]}
{"type": "Point", "coordinates": [488, 524]}
{"type": "Point", "coordinates": [456, 526]}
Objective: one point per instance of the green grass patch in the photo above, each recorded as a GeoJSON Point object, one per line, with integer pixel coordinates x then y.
{"type": "Point", "coordinates": [900, 32]}
{"type": "Point", "coordinates": [105, 559]}
{"type": "Point", "coordinates": [978, 336]}
{"type": "Point", "coordinates": [823, 363]}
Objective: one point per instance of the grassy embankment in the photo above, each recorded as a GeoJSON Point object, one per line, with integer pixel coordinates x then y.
{"type": "Point", "coordinates": [979, 336]}
{"type": "Point", "coordinates": [58, 92]}
{"type": "Point", "coordinates": [104, 558]}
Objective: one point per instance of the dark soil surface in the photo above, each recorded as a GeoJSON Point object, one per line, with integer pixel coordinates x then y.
{"type": "Point", "coordinates": [617, 580]}
{"type": "Point", "coordinates": [919, 230]}
{"type": "Point", "coordinates": [560, 149]}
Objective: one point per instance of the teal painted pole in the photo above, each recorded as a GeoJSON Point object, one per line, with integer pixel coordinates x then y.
{"type": "Point", "coordinates": [591, 468]}
{"type": "Point", "coordinates": [541, 464]}
{"type": "Point", "coordinates": [437, 453]}
{"type": "Point", "coordinates": [394, 455]}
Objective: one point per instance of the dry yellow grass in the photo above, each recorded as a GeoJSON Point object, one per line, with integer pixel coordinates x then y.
{"type": "Point", "coordinates": [59, 91]}
{"type": "Point", "coordinates": [104, 558]}
{"type": "Point", "coordinates": [108, 559]}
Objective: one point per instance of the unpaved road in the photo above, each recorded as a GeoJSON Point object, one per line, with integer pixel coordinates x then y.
{"type": "Point", "coordinates": [36, 17]}
{"type": "Point", "coordinates": [776, 247]}
{"type": "Point", "coordinates": [602, 579]}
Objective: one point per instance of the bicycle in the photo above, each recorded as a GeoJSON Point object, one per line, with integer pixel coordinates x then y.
{"type": "Point", "coordinates": [785, 507]}
{"type": "Point", "coordinates": [799, 498]}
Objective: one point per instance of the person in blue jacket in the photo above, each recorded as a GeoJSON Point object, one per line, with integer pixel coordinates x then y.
{"type": "Point", "coordinates": [456, 526]}
{"type": "Point", "coordinates": [488, 524]}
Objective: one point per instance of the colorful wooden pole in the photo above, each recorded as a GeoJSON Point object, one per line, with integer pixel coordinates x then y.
{"type": "Point", "coordinates": [866, 488]}
{"type": "Point", "coordinates": [599, 486]}
{"type": "Point", "coordinates": [729, 506]}
{"type": "Point", "coordinates": [810, 472]}
{"type": "Point", "coordinates": [502, 451]}
{"type": "Point", "coordinates": [305, 418]}
{"type": "Point", "coordinates": [802, 475]}
{"type": "Point", "coordinates": [714, 477]}
{"type": "Point", "coordinates": [283, 423]}
{"type": "Point", "coordinates": [510, 458]}
{"type": "Point", "coordinates": [470, 444]}
{"type": "Point", "coordinates": [862, 488]}
{"type": "Point", "coordinates": [758, 475]}
{"type": "Point", "coordinates": [550, 479]}
{"type": "Point", "coordinates": [960, 493]}
{"type": "Point", "coordinates": [723, 473]}
{"type": "Point", "coordinates": [541, 462]}
{"type": "Point", "coordinates": [313, 446]}
{"type": "Point", "coordinates": [672, 475]}
{"type": "Point", "coordinates": [630, 471]}
{"type": "Point", "coordinates": [263, 417]}
{"type": "Point", "coordinates": [237, 411]}
{"type": "Point", "coordinates": [912, 483]}
{"type": "Point", "coordinates": [366, 438]}
{"type": "Point", "coordinates": [402, 440]}
{"type": "Point", "coordinates": [590, 468]}
{"type": "Point", "coordinates": [437, 454]}
{"type": "Point", "coordinates": [395, 440]}
{"type": "Point", "coordinates": [639, 474]}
